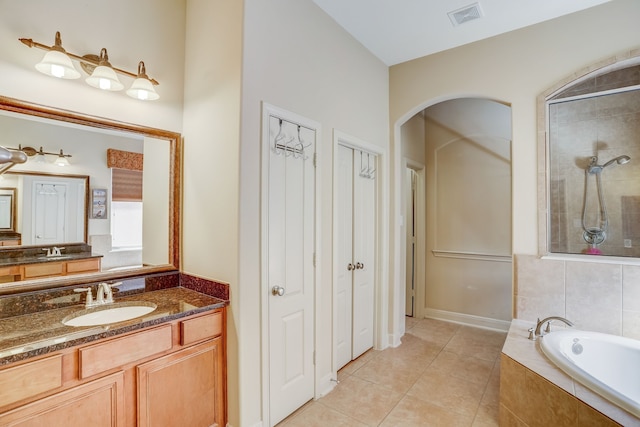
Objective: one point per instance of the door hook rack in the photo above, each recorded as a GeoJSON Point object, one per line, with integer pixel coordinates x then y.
{"type": "Point", "coordinates": [290, 146]}
{"type": "Point", "coordinates": [368, 171]}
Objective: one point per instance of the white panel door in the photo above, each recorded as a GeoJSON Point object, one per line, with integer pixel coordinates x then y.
{"type": "Point", "coordinates": [49, 201]}
{"type": "Point", "coordinates": [356, 225]}
{"type": "Point", "coordinates": [291, 224]}
{"type": "Point", "coordinates": [344, 283]}
{"type": "Point", "coordinates": [364, 243]}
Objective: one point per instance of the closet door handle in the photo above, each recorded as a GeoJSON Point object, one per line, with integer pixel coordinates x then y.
{"type": "Point", "coordinates": [359, 265]}
{"type": "Point", "coordinates": [351, 267]}
{"type": "Point", "coordinates": [277, 291]}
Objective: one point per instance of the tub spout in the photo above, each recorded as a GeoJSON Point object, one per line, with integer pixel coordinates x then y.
{"type": "Point", "coordinates": [539, 333]}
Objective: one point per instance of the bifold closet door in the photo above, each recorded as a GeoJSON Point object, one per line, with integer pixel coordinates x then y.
{"type": "Point", "coordinates": [356, 206]}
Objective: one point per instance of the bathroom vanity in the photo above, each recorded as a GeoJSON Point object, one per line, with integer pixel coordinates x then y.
{"type": "Point", "coordinates": [165, 368]}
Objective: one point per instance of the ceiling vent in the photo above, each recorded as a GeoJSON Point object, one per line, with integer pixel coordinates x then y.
{"type": "Point", "coordinates": [465, 14]}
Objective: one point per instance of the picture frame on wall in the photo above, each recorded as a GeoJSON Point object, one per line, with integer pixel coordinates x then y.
{"type": "Point", "coordinates": [99, 203]}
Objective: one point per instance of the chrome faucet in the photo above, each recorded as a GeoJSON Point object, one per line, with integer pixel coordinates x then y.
{"type": "Point", "coordinates": [103, 296]}
{"type": "Point", "coordinates": [54, 251]}
{"type": "Point", "coordinates": [534, 334]}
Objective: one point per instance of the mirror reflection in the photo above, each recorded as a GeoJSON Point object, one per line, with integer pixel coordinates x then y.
{"type": "Point", "coordinates": [88, 181]}
{"type": "Point", "coordinates": [7, 210]}
{"type": "Point", "coordinates": [594, 166]}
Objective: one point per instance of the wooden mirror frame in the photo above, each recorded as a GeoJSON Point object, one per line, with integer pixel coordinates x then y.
{"type": "Point", "coordinates": [175, 198]}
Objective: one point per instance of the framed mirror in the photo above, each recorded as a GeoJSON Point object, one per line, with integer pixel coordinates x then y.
{"type": "Point", "coordinates": [592, 128]}
{"type": "Point", "coordinates": [7, 209]}
{"type": "Point", "coordinates": [139, 230]}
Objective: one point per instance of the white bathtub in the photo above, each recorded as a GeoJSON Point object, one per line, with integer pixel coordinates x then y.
{"type": "Point", "coordinates": [607, 364]}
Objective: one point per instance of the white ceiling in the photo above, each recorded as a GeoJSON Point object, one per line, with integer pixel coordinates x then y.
{"type": "Point", "coordinates": [400, 30]}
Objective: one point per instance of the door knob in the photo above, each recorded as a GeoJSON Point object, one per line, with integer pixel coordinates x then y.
{"type": "Point", "coordinates": [351, 267]}
{"type": "Point", "coordinates": [277, 291]}
{"type": "Point", "coordinates": [359, 265]}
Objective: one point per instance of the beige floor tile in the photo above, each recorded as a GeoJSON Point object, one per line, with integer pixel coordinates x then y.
{"type": "Point", "coordinates": [475, 346]}
{"type": "Point", "coordinates": [414, 350]}
{"type": "Point", "coordinates": [487, 416]}
{"type": "Point", "coordinates": [354, 365]}
{"type": "Point", "coordinates": [362, 400]}
{"type": "Point", "coordinates": [413, 412]}
{"type": "Point", "coordinates": [318, 415]}
{"type": "Point", "coordinates": [397, 374]}
{"type": "Point", "coordinates": [443, 374]}
{"type": "Point", "coordinates": [448, 392]}
{"type": "Point", "coordinates": [465, 367]}
{"type": "Point", "coordinates": [435, 331]}
{"type": "Point", "coordinates": [410, 322]}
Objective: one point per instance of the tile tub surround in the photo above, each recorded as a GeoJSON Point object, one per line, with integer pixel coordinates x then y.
{"type": "Point", "coordinates": [597, 294]}
{"type": "Point", "coordinates": [529, 380]}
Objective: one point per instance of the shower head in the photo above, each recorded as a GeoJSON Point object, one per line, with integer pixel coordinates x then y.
{"type": "Point", "coordinates": [621, 160]}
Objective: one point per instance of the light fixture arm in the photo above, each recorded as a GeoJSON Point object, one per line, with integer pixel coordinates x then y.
{"type": "Point", "coordinates": [83, 59]}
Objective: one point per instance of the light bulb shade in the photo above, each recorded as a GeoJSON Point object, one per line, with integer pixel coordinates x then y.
{"type": "Point", "coordinates": [142, 89]}
{"type": "Point", "coordinates": [104, 78]}
{"type": "Point", "coordinates": [61, 161]}
{"type": "Point", "coordinates": [40, 158]}
{"type": "Point", "coordinates": [57, 64]}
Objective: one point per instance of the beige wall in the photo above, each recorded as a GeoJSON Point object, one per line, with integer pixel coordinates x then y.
{"type": "Point", "coordinates": [213, 67]}
{"type": "Point", "coordinates": [515, 68]}
{"type": "Point", "coordinates": [298, 59]}
{"type": "Point", "coordinates": [151, 31]}
{"type": "Point", "coordinates": [468, 199]}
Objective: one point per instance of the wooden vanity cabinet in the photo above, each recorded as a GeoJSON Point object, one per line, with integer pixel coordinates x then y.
{"type": "Point", "coordinates": [167, 375]}
{"type": "Point", "coordinates": [63, 268]}
{"type": "Point", "coordinates": [98, 403]}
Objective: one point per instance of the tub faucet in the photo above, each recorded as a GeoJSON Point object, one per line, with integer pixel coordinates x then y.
{"type": "Point", "coordinates": [533, 335]}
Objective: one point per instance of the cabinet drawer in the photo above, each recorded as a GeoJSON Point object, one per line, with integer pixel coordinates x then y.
{"type": "Point", "coordinates": [92, 264]}
{"type": "Point", "coordinates": [44, 269]}
{"type": "Point", "coordinates": [121, 351]}
{"type": "Point", "coordinates": [200, 328]}
{"type": "Point", "coordinates": [24, 381]}
{"type": "Point", "coordinates": [9, 271]}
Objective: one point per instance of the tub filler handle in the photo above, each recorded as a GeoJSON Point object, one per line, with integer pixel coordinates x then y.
{"type": "Point", "coordinates": [534, 334]}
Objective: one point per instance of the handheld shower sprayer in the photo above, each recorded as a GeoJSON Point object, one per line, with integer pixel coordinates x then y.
{"type": "Point", "coordinates": [597, 234]}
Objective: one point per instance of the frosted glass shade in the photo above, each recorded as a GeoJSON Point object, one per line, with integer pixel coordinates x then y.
{"type": "Point", "coordinates": [61, 161]}
{"type": "Point", "coordinates": [143, 89]}
{"type": "Point", "coordinates": [104, 78]}
{"type": "Point", "coordinates": [57, 64]}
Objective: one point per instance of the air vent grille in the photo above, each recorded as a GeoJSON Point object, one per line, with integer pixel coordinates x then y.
{"type": "Point", "coordinates": [465, 14]}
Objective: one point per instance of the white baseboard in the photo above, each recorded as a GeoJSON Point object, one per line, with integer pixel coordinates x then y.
{"type": "Point", "coordinates": [395, 340]}
{"type": "Point", "coordinates": [468, 319]}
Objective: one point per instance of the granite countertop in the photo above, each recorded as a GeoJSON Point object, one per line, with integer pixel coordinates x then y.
{"type": "Point", "coordinates": [28, 335]}
{"type": "Point", "coordinates": [529, 354]}
{"type": "Point", "coordinates": [4, 262]}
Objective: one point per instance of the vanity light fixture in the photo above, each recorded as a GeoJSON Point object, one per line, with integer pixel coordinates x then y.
{"type": "Point", "coordinates": [60, 160]}
{"type": "Point", "coordinates": [57, 62]}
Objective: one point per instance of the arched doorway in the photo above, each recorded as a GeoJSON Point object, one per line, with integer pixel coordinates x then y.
{"type": "Point", "coordinates": [464, 270]}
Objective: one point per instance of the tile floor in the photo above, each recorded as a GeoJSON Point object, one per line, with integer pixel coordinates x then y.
{"type": "Point", "coordinates": [443, 374]}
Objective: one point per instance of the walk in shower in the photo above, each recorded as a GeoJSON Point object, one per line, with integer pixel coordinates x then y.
{"type": "Point", "coordinates": [593, 135]}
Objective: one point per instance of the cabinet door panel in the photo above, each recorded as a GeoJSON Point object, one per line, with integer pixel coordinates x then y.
{"type": "Point", "coordinates": [184, 388]}
{"type": "Point", "coordinates": [99, 403]}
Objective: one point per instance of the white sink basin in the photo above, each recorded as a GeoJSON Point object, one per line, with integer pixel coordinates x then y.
{"type": "Point", "coordinates": [112, 313]}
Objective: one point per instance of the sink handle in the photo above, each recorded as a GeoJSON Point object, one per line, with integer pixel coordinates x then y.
{"type": "Point", "coordinates": [89, 301]}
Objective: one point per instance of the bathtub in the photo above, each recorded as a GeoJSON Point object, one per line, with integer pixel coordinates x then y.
{"type": "Point", "coordinates": [607, 364]}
